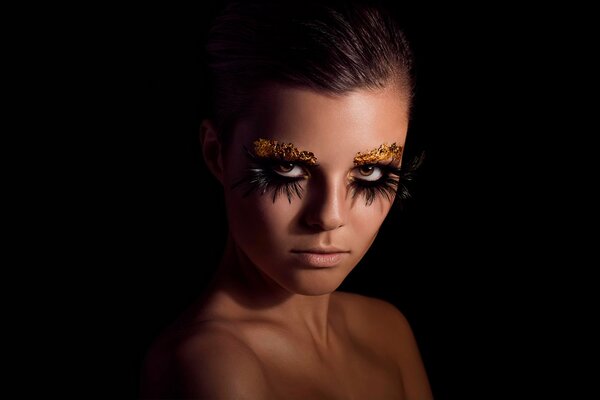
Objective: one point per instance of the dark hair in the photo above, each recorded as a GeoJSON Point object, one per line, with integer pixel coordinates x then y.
{"type": "Point", "coordinates": [327, 46]}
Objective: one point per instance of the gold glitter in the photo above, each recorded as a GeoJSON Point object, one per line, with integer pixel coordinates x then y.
{"type": "Point", "coordinates": [383, 152]}
{"type": "Point", "coordinates": [266, 148]}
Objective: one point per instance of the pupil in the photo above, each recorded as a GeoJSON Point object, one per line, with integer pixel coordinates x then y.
{"type": "Point", "coordinates": [286, 167]}
{"type": "Point", "coordinates": [366, 170]}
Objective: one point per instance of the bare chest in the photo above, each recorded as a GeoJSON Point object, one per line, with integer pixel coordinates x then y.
{"type": "Point", "coordinates": [344, 372]}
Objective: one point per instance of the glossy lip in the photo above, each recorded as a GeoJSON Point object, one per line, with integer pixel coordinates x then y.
{"type": "Point", "coordinates": [321, 257]}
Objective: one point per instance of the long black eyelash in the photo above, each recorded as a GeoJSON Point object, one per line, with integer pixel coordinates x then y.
{"type": "Point", "coordinates": [261, 177]}
{"type": "Point", "coordinates": [407, 175]}
{"type": "Point", "coordinates": [393, 185]}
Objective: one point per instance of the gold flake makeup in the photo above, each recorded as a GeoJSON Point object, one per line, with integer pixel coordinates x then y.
{"type": "Point", "coordinates": [384, 152]}
{"type": "Point", "coordinates": [278, 168]}
{"type": "Point", "coordinates": [282, 169]}
{"type": "Point", "coordinates": [266, 148]}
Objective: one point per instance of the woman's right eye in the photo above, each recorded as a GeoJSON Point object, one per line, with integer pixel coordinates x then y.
{"type": "Point", "coordinates": [289, 170]}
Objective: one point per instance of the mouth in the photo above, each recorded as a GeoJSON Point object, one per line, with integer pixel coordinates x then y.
{"type": "Point", "coordinates": [321, 257]}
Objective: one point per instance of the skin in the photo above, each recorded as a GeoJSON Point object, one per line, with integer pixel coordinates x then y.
{"type": "Point", "coordinates": [272, 324]}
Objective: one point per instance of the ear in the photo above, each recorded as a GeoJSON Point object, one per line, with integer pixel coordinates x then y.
{"type": "Point", "coordinates": [211, 149]}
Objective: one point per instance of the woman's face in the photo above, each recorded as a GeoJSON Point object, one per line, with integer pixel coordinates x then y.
{"type": "Point", "coordinates": [305, 224]}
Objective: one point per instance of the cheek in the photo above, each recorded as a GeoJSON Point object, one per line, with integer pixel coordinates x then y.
{"type": "Point", "coordinates": [255, 221]}
{"type": "Point", "coordinates": [258, 222]}
{"type": "Point", "coordinates": [366, 220]}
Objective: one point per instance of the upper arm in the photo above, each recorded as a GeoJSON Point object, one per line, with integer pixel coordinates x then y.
{"type": "Point", "coordinates": [219, 366]}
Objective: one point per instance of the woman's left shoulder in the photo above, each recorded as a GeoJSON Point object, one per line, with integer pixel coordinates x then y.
{"type": "Point", "coordinates": [359, 310]}
{"type": "Point", "coordinates": [378, 324]}
{"type": "Point", "coordinates": [385, 330]}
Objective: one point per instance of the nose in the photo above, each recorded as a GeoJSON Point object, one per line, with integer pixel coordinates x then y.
{"type": "Point", "coordinates": [326, 206]}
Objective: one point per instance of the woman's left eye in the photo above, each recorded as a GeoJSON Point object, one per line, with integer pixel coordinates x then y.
{"type": "Point", "coordinates": [368, 173]}
{"type": "Point", "coordinates": [289, 170]}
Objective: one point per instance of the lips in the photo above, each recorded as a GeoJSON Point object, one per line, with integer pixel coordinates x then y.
{"type": "Point", "coordinates": [321, 257]}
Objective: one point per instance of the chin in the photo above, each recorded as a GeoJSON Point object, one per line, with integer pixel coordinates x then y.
{"type": "Point", "coordinates": [318, 284]}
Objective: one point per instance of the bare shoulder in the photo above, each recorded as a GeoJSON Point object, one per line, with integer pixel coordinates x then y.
{"type": "Point", "coordinates": [369, 311]}
{"type": "Point", "coordinates": [372, 319]}
{"type": "Point", "coordinates": [216, 363]}
{"type": "Point", "coordinates": [209, 362]}
{"type": "Point", "coordinates": [384, 328]}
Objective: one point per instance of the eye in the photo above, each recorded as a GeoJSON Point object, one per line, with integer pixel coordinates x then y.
{"type": "Point", "coordinates": [289, 170]}
{"type": "Point", "coordinates": [368, 173]}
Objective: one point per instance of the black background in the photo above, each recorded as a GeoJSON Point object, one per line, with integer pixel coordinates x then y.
{"type": "Point", "coordinates": [466, 260]}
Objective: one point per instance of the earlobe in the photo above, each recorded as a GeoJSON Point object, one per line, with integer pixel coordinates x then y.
{"type": "Point", "coordinates": [211, 149]}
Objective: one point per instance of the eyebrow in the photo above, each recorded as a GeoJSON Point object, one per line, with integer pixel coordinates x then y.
{"type": "Point", "coordinates": [383, 152]}
{"type": "Point", "coordinates": [267, 148]}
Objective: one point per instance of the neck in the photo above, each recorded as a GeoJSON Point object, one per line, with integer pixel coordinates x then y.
{"type": "Point", "coordinates": [252, 291]}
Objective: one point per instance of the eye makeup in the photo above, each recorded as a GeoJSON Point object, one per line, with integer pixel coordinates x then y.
{"type": "Point", "coordinates": [373, 180]}
{"type": "Point", "coordinates": [276, 167]}
{"type": "Point", "coordinates": [385, 179]}
{"type": "Point", "coordinates": [374, 175]}
{"type": "Point", "coordinates": [382, 153]}
{"type": "Point", "coordinates": [266, 148]}
{"type": "Point", "coordinates": [281, 168]}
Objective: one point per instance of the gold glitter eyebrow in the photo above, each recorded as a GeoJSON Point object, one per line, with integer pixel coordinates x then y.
{"type": "Point", "coordinates": [267, 148]}
{"type": "Point", "coordinates": [383, 152]}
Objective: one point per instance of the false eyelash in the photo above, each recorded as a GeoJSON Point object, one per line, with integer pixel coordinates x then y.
{"type": "Point", "coordinates": [407, 177]}
{"type": "Point", "coordinates": [260, 177]}
{"type": "Point", "coordinates": [385, 186]}
{"type": "Point", "coordinates": [394, 185]}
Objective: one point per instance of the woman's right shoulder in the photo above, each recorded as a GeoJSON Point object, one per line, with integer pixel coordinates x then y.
{"type": "Point", "coordinates": [203, 361]}
{"type": "Point", "coordinates": [210, 337]}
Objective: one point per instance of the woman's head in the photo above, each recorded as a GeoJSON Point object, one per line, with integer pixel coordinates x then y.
{"type": "Point", "coordinates": [327, 46]}
{"type": "Point", "coordinates": [311, 114]}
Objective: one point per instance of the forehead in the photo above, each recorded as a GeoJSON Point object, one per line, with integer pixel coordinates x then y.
{"type": "Point", "coordinates": [327, 124]}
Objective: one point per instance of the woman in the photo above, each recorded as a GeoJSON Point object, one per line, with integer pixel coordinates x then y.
{"type": "Point", "coordinates": [310, 113]}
